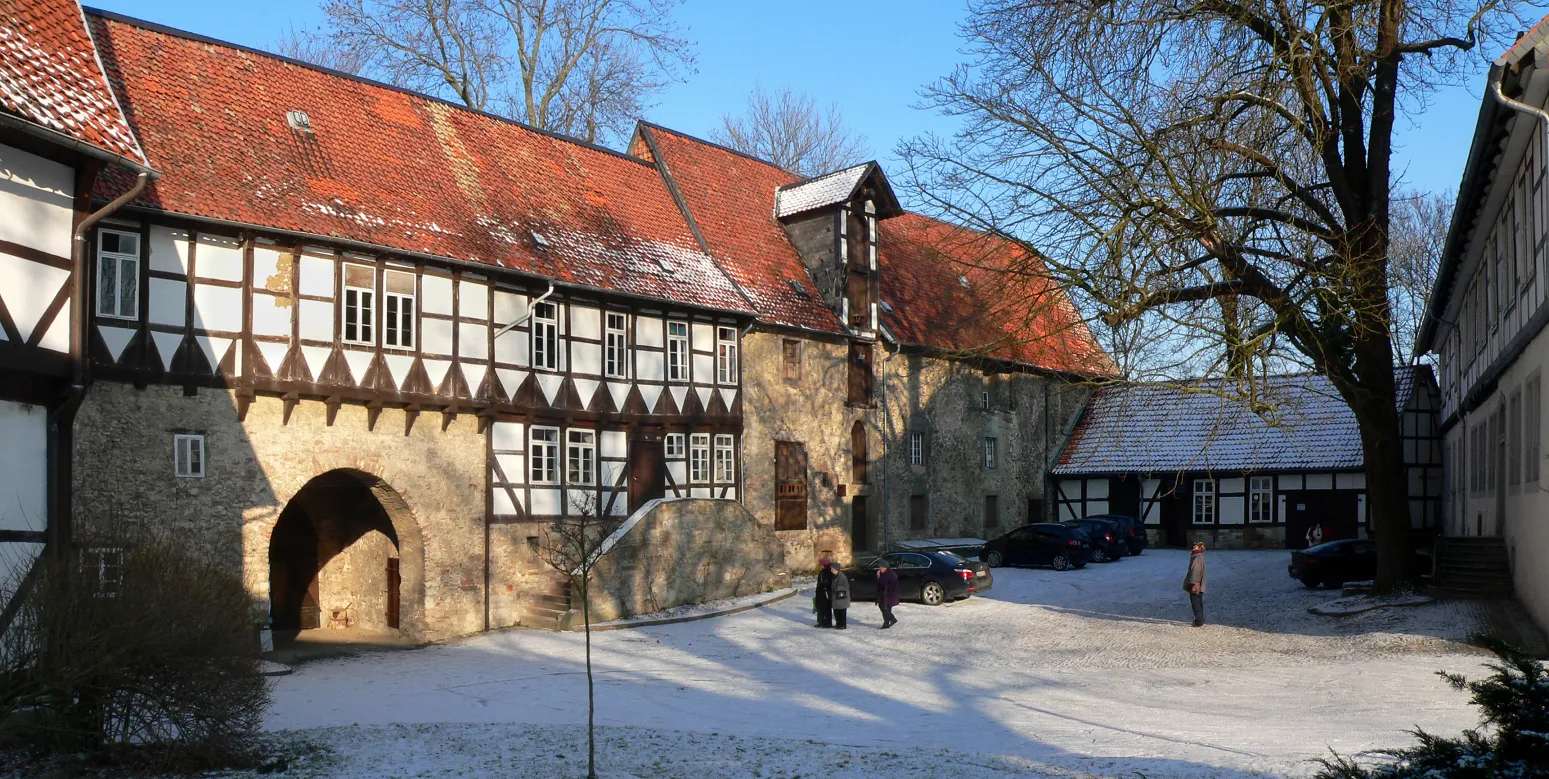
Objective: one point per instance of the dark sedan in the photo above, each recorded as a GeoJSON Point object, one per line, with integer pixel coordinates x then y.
{"type": "Point", "coordinates": [1044, 543]}
{"type": "Point", "coordinates": [1334, 563]}
{"type": "Point", "coordinates": [1133, 534]}
{"type": "Point", "coordinates": [1108, 543]}
{"type": "Point", "coordinates": [931, 578]}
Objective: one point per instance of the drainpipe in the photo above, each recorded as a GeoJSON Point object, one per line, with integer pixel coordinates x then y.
{"type": "Point", "coordinates": [742, 472]}
{"type": "Point", "coordinates": [61, 420]}
{"type": "Point", "coordinates": [887, 426]}
{"type": "Point", "coordinates": [522, 320]}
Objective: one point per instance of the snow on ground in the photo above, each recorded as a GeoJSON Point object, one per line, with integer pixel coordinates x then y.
{"type": "Point", "coordinates": [1061, 673]}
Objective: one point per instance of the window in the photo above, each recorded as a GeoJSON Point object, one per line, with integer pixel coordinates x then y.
{"type": "Point", "coordinates": [1531, 419]}
{"type": "Point", "coordinates": [1204, 501]}
{"type": "Point", "coordinates": [699, 458]}
{"type": "Point", "coordinates": [118, 274]}
{"type": "Point", "coordinates": [1514, 441]}
{"type": "Point", "coordinates": [790, 368]}
{"type": "Point", "coordinates": [616, 347]}
{"type": "Point", "coordinates": [543, 454]}
{"type": "Point", "coordinates": [104, 571]}
{"type": "Point", "coordinates": [916, 512]}
{"type": "Point", "coordinates": [790, 486]}
{"type": "Point", "coordinates": [398, 310]}
{"type": "Point", "coordinates": [860, 457]}
{"type": "Point", "coordinates": [1261, 494]}
{"type": "Point", "coordinates": [984, 400]}
{"type": "Point", "coordinates": [677, 351]}
{"type": "Point", "coordinates": [359, 303]}
{"type": "Point", "coordinates": [581, 457]}
{"type": "Point", "coordinates": [860, 374]}
{"type": "Point", "coordinates": [545, 337]}
{"type": "Point", "coordinates": [725, 463]}
{"type": "Point", "coordinates": [726, 354]}
{"type": "Point", "coordinates": [675, 445]}
{"type": "Point", "coordinates": [991, 511]}
{"type": "Point", "coordinates": [991, 452]}
{"type": "Point", "coordinates": [916, 448]}
{"type": "Point", "coordinates": [188, 456]}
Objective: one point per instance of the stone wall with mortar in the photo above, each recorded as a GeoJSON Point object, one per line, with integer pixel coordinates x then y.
{"type": "Point", "coordinates": [432, 484]}
{"type": "Point", "coordinates": [686, 551]}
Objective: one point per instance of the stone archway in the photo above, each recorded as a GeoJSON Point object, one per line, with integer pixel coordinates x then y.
{"type": "Point", "coordinates": [347, 549]}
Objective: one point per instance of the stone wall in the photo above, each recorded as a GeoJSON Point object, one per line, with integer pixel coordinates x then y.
{"type": "Point", "coordinates": [686, 551]}
{"type": "Point", "coordinates": [431, 483]}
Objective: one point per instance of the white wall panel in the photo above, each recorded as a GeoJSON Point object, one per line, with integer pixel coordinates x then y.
{"type": "Point", "coordinates": [436, 294]}
{"type": "Point", "coordinates": [1293, 482]}
{"type": "Point", "coordinates": [36, 208]}
{"type": "Point", "coordinates": [474, 300]}
{"type": "Point", "coordinates": [509, 307]}
{"type": "Point", "coordinates": [57, 337]}
{"type": "Point", "coordinates": [316, 320]}
{"type": "Point", "coordinates": [218, 257]}
{"type": "Point", "coordinates": [650, 365]}
{"type": "Point", "coordinates": [317, 276]}
{"type": "Point", "coordinates": [217, 308]}
{"type": "Point", "coordinates": [473, 341]}
{"type": "Point", "coordinates": [1233, 510]}
{"type": "Point", "coordinates": [23, 466]}
{"type": "Point", "coordinates": [1096, 488]}
{"type": "Point", "coordinates": [648, 331]}
{"type": "Point", "coordinates": [1234, 484]}
{"type": "Point", "coordinates": [1354, 481]}
{"type": "Point", "coordinates": [704, 369]}
{"type": "Point", "coordinates": [271, 315]}
{"type": "Point", "coordinates": [436, 336]}
{"type": "Point", "coordinates": [508, 436]}
{"type": "Point", "coordinates": [271, 269]}
{"type": "Point", "coordinates": [511, 347]}
{"type": "Point", "coordinates": [678, 470]}
{"type": "Point", "coordinates": [28, 288]}
{"type": "Point", "coordinates": [501, 501]}
{"type": "Point", "coordinates": [514, 467]}
{"type": "Point", "coordinates": [1320, 481]}
{"type": "Point", "coordinates": [169, 249]}
{"type": "Point", "coordinates": [615, 443]}
{"type": "Point", "coordinates": [586, 358]}
{"type": "Point", "coordinates": [704, 337]}
{"type": "Point", "coordinates": [585, 322]}
{"type": "Point", "coordinates": [1095, 507]}
{"type": "Point", "coordinates": [544, 502]}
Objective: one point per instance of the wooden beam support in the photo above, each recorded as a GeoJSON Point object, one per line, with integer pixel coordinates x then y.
{"type": "Point", "coordinates": [291, 399]}
{"type": "Point", "coordinates": [485, 417]}
{"type": "Point", "coordinates": [244, 399]}
{"type": "Point", "coordinates": [332, 402]}
{"type": "Point", "coordinates": [411, 412]}
{"type": "Point", "coordinates": [373, 410]}
{"type": "Point", "coordinates": [448, 415]}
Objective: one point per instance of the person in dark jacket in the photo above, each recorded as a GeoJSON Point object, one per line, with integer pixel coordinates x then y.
{"type": "Point", "coordinates": [822, 600]}
{"type": "Point", "coordinates": [1194, 582]}
{"type": "Point", "coordinates": [840, 597]}
{"type": "Point", "coordinates": [887, 593]}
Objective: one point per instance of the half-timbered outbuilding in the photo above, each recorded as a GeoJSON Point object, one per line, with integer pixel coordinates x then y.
{"type": "Point", "coordinates": [1198, 462]}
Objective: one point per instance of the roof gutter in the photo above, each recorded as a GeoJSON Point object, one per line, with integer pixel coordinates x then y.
{"type": "Point", "coordinates": [57, 138]}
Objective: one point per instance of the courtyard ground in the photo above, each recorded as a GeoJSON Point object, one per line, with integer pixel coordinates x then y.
{"type": "Point", "coordinates": [1091, 672]}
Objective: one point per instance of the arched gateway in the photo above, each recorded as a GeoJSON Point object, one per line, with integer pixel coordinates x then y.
{"type": "Point", "coordinates": [346, 551]}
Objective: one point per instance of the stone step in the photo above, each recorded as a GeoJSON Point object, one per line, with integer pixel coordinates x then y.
{"type": "Point", "coordinates": [1463, 593]}
{"type": "Point", "coordinates": [561, 602]}
{"type": "Point", "coordinates": [540, 621]}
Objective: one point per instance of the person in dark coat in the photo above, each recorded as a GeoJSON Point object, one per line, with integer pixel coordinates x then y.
{"type": "Point", "coordinates": [887, 593]}
{"type": "Point", "coordinates": [1194, 582]}
{"type": "Point", "coordinates": [822, 600]}
{"type": "Point", "coordinates": [840, 597]}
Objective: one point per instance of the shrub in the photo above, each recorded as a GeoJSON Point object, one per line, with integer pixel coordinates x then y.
{"type": "Point", "coordinates": [135, 650]}
{"type": "Point", "coordinates": [1513, 742]}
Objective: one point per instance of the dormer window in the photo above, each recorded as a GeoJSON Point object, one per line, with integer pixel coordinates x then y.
{"type": "Point", "coordinates": [299, 121]}
{"type": "Point", "coordinates": [963, 280]}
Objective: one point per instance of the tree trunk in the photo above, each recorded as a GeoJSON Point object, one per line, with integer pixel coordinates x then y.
{"type": "Point", "coordinates": [1382, 447]}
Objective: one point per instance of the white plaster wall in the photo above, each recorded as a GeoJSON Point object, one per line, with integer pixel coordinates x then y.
{"type": "Point", "coordinates": [1232, 509]}
{"type": "Point", "coordinates": [35, 201]}
{"type": "Point", "coordinates": [169, 249]}
{"type": "Point", "coordinates": [218, 257]}
{"type": "Point", "coordinates": [474, 300]}
{"type": "Point", "coordinates": [217, 308]}
{"type": "Point", "coordinates": [23, 466]}
{"type": "Point", "coordinates": [1527, 508]}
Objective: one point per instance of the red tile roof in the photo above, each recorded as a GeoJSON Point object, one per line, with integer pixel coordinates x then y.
{"type": "Point", "coordinates": [394, 169]}
{"type": "Point", "coordinates": [50, 75]}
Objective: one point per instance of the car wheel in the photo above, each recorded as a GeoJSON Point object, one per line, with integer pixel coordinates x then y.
{"type": "Point", "coordinates": [1100, 556]}
{"type": "Point", "coordinates": [1309, 582]}
{"type": "Point", "coordinates": [1060, 562]}
{"type": "Point", "coordinates": [993, 559]}
{"type": "Point", "coordinates": [933, 594]}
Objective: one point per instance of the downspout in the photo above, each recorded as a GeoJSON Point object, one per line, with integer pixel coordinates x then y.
{"type": "Point", "coordinates": [887, 426]}
{"type": "Point", "coordinates": [742, 472]}
{"type": "Point", "coordinates": [522, 320]}
{"type": "Point", "coordinates": [61, 420]}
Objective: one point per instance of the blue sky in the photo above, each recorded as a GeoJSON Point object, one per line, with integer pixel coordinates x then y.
{"type": "Point", "coordinates": [869, 56]}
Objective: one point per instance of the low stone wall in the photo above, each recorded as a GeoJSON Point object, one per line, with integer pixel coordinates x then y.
{"type": "Point", "coordinates": [686, 551]}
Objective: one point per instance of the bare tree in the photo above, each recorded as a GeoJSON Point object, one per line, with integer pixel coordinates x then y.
{"type": "Point", "coordinates": [1418, 239]}
{"type": "Point", "coordinates": [586, 68]}
{"type": "Point", "coordinates": [1169, 156]}
{"type": "Point", "coordinates": [320, 49]}
{"type": "Point", "coordinates": [788, 129]}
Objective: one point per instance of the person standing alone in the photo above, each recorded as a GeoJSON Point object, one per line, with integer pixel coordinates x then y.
{"type": "Point", "coordinates": [840, 597]}
{"type": "Point", "coordinates": [1194, 582]}
{"type": "Point", "coordinates": [823, 599]}
{"type": "Point", "coordinates": [887, 592]}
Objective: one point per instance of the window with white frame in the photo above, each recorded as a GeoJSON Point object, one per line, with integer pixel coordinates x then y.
{"type": "Point", "coordinates": [616, 346]}
{"type": "Point", "coordinates": [916, 447]}
{"type": "Point", "coordinates": [725, 468]}
{"type": "Point", "coordinates": [118, 274]}
{"type": "Point", "coordinates": [359, 304]}
{"type": "Point", "coordinates": [726, 354]}
{"type": "Point", "coordinates": [188, 456]}
{"type": "Point", "coordinates": [677, 351]}
{"type": "Point", "coordinates": [543, 456]}
{"type": "Point", "coordinates": [1204, 501]}
{"type": "Point", "coordinates": [991, 452]}
{"type": "Point", "coordinates": [699, 458]}
{"type": "Point", "coordinates": [675, 445]}
{"type": "Point", "coordinates": [545, 337]}
{"type": "Point", "coordinates": [398, 310]}
{"type": "Point", "coordinates": [104, 571]}
{"type": "Point", "coordinates": [1261, 493]}
{"type": "Point", "coordinates": [580, 457]}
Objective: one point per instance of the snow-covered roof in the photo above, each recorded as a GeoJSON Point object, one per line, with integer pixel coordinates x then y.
{"type": "Point", "coordinates": [1303, 424]}
{"type": "Point", "coordinates": [825, 190]}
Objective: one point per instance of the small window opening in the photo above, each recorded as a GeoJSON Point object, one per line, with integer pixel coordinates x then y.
{"type": "Point", "coordinates": [299, 121]}
{"type": "Point", "coordinates": [963, 280]}
{"type": "Point", "coordinates": [540, 241]}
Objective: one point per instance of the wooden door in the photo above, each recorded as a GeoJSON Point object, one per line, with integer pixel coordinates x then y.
{"type": "Point", "coordinates": [393, 582]}
{"type": "Point", "coordinates": [1334, 512]}
{"type": "Point", "coordinates": [293, 568]}
{"type": "Point", "coordinates": [1124, 497]}
{"type": "Point", "coordinates": [860, 458]}
{"type": "Point", "coordinates": [860, 527]}
{"type": "Point", "coordinates": [790, 486]}
{"type": "Point", "coordinates": [647, 472]}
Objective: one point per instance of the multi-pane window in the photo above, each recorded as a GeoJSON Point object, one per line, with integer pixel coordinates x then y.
{"type": "Point", "coordinates": [188, 456]}
{"type": "Point", "coordinates": [699, 458]}
{"type": "Point", "coordinates": [359, 304]}
{"type": "Point", "coordinates": [790, 367]}
{"type": "Point", "coordinates": [616, 346]}
{"type": "Point", "coordinates": [1531, 418]}
{"type": "Point", "coordinates": [543, 456]}
{"type": "Point", "coordinates": [545, 337]}
{"type": "Point", "coordinates": [677, 351]}
{"type": "Point", "coordinates": [104, 569]}
{"type": "Point", "coordinates": [1204, 501]}
{"type": "Point", "coordinates": [916, 447]}
{"type": "Point", "coordinates": [398, 310]}
{"type": "Point", "coordinates": [118, 274]}
{"type": "Point", "coordinates": [1260, 499]}
{"type": "Point", "coordinates": [726, 355]}
{"type": "Point", "coordinates": [991, 452]}
{"type": "Point", "coordinates": [725, 467]}
{"type": "Point", "coordinates": [675, 445]}
{"type": "Point", "coordinates": [580, 457]}
{"type": "Point", "coordinates": [984, 400]}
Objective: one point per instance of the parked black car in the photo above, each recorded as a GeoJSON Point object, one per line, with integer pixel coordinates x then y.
{"type": "Point", "coordinates": [1336, 562]}
{"type": "Point", "coordinates": [1133, 534]}
{"type": "Point", "coordinates": [1044, 543]}
{"type": "Point", "coordinates": [931, 578]}
{"type": "Point", "coordinates": [1108, 542]}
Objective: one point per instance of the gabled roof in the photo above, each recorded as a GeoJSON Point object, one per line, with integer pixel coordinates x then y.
{"type": "Point", "coordinates": [831, 189]}
{"type": "Point", "coordinates": [1170, 428]}
{"type": "Point", "coordinates": [392, 169]}
{"type": "Point", "coordinates": [50, 76]}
